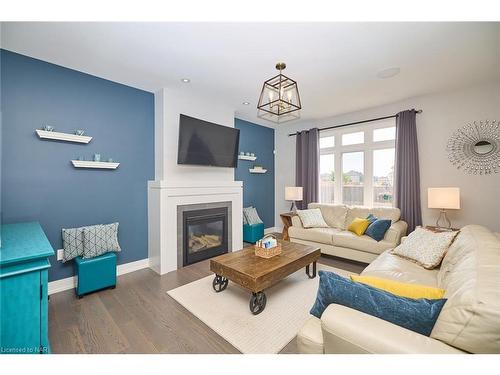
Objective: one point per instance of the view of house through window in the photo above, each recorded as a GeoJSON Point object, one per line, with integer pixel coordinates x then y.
{"type": "Point", "coordinates": [357, 164]}
{"type": "Point", "coordinates": [353, 177]}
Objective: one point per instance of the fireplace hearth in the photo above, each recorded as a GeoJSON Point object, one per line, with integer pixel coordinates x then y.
{"type": "Point", "coordinates": [204, 234]}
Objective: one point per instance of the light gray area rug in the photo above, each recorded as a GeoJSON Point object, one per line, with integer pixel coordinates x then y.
{"type": "Point", "coordinates": [228, 314]}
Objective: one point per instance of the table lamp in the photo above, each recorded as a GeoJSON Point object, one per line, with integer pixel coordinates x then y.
{"type": "Point", "coordinates": [293, 193]}
{"type": "Point", "coordinates": [446, 198]}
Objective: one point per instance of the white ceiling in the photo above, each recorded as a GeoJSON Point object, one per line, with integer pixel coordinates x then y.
{"type": "Point", "coordinates": [335, 64]}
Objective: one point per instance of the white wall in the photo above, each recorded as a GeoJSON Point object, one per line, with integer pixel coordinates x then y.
{"type": "Point", "coordinates": [442, 114]}
{"type": "Point", "coordinates": [169, 104]}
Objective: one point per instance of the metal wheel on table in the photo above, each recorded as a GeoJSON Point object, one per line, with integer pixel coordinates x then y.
{"type": "Point", "coordinates": [220, 283]}
{"type": "Point", "coordinates": [257, 302]}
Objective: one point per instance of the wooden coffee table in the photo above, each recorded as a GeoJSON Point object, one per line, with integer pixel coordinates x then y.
{"type": "Point", "coordinates": [256, 274]}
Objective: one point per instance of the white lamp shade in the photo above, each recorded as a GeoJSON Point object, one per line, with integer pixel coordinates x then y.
{"type": "Point", "coordinates": [293, 193]}
{"type": "Point", "coordinates": [445, 198]}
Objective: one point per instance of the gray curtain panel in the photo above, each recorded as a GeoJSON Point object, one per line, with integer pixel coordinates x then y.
{"type": "Point", "coordinates": [407, 185]}
{"type": "Point", "coordinates": [307, 166]}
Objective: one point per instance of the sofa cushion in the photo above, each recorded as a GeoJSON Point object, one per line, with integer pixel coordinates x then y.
{"type": "Point", "coordinates": [378, 228]}
{"type": "Point", "coordinates": [390, 213]}
{"type": "Point", "coordinates": [358, 226]}
{"type": "Point", "coordinates": [312, 218]}
{"type": "Point", "coordinates": [418, 315]}
{"type": "Point", "coordinates": [425, 247]}
{"type": "Point", "coordinates": [390, 266]}
{"type": "Point", "coordinates": [321, 235]}
{"type": "Point", "coordinates": [334, 214]}
{"type": "Point", "coordinates": [363, 243]}
{"type": "Point", "coordinates": [470, 274]}
{"type": "Point", "coordinates": [398, 288]}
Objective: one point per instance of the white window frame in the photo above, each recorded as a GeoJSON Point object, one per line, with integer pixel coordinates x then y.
{"type": "Point", "coordinates": [367, 147]}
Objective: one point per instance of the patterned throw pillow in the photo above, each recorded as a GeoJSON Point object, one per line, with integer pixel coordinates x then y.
{"type": "Point", "coordinates": [312, 218]}
{"type": "Point", "coordinates": [100, 239]}
{"type": "Point", "coordinates": [251, 215]}
{"type": "Point", "coordinates": [425, 247]}
{"type": "Point", "coordinates": [72, 243]}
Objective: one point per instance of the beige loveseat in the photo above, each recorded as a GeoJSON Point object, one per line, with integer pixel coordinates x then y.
{"type": "Point", "coordinates": [469, 321]}
{"type": "Point", "coordinates": [338, 241]}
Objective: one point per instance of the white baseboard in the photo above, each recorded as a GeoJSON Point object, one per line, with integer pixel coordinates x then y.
{"type": "Point", "coordinates": [70, 282]}
{"type": "Point", "coordinates": [271, 230]}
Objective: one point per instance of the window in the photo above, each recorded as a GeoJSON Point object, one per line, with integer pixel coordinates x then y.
{"type": "Point", "coordinates": [352, 178]}
{"type": "Point", "coordinates": [353, 138]}
{"type": "Point", "coordinates": [327, 177]}
{"type": "Point", "coordinates": [384, 134]}
{"type": "Point", "coordinates": [325, 142]}
{"type": "Point", "coordinates": [383, 177]}
{"type": "Point", "coordinates": [358, 170]}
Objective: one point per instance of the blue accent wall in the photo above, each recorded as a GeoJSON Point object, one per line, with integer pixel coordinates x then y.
{"type": "Point", "coordinates": [258, 189]}
{"type": "Point", "coordinates": [38, 181]}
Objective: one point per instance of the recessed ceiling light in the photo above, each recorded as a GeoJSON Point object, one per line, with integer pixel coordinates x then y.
{"type": "Point", "coordinates": [185, 80]}
{"type": "Point", "coordinates": [388, 73]}
{"type": "Point", "coordinates": [246, 103]}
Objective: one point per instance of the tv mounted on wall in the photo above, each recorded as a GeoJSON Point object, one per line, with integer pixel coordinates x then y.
{"type": "Point", "coordinates": [205, 143]}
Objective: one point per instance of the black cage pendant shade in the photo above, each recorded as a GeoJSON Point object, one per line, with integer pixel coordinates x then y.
{"type": "Point", "coordinates": [279, 99]}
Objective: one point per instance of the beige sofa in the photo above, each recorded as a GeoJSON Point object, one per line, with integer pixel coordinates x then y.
{"type": "Point", "coordinates": [469, 321]}
{"type": "Point", "coordinates": [337, 241]}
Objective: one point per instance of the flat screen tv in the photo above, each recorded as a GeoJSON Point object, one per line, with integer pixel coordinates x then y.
{"type": "Point", "coordinates": [205, 143]}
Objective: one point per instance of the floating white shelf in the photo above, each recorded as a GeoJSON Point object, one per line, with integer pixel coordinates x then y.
{"type": "Point", "coordinates": [257, 170]}
{"type": "Point", "coordinates": [94, 164]}
{"type": "Point", "coordinates": [245, 157]}
{"type": "Point", "coordinates": [63, 136]}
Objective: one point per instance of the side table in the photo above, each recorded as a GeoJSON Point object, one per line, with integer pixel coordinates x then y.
{"type": "Point", "coordinates": [286, 218]}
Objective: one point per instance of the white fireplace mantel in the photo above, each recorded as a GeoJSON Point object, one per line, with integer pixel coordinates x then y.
{"type": "Point", "coordinates": [163, 199]}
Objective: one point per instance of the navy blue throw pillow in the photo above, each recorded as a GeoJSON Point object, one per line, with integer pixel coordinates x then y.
{"type": "Point", "coordinates": [371, 218]}
{"type": "Point", "coordinates": [377, 229]}
{"type": "Point", "coordinates": [418, 315]}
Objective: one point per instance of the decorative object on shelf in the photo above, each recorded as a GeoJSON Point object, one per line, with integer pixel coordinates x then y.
{"type": "Point", "coordinates": [279, 99]}
{"type": "Point", "coordinates": [48, 128]}
{"type": "Point", "coordinates": [80, 132]}
{"type": "Point", "coordinates": [252, 154]}
{"type": "Point", "coordinates": [244, 157]}
{"type": "Point", "coordinates": [94, 164]}
{"type": "Point", "coordinates": [293, 193]}
{"type": "Point", "coordinates": [475, 148]}
{"type": "Point", "coordinates": [267, 247]}
{"type": "Point", "coordinates": [447, 198]}
{"type": "Point", "coordinates": [97, 157]}
{"type": "Point", "coordinates": [247, 154]}
{"type": "Point", "coordinates": [257, 169]}
{"type": "Point", "coordinates": [67, 137]}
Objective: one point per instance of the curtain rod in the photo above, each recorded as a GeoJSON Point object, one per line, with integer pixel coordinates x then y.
{"type": "Point", "coordinates": [355, 123]}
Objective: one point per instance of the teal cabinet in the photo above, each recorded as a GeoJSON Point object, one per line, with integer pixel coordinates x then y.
{"type": "Point", "coordinates": [24, 268]}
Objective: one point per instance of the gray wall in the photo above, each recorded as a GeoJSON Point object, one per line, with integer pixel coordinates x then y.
{"type": "Point", "coordinates": [442, 114]}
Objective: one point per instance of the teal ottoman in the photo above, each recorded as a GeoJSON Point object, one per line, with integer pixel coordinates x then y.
{"type": "Point", "coordinates": [95, 273]}
{"type": "Point", "coordinates": [253, 233]}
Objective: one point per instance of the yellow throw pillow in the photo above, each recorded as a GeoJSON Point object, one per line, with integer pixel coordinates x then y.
{"type": "Point", "coordinates": [401, 289]}
{"type": "Point", "coordinates": [359, 226]}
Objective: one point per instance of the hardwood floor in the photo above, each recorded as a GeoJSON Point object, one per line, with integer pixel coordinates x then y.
{"type": "Point", "coordinates": [139, 317]}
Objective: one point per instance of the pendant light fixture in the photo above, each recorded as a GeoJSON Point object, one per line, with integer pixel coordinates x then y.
{"type": "Point", "coordinates": [279, 100]}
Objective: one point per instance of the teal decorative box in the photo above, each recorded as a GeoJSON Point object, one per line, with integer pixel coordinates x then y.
{"type": "Point", "coordinates": [253, 233]}
{"type": "Point", "coordinates": [95, 273]}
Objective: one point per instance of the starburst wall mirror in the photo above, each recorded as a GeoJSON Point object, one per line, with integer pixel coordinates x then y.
{"type": "Point", "coordinates": [475, 148]}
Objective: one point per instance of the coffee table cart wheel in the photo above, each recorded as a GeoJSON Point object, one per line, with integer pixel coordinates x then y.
{"type": "Point", "coordinates": [257, 302]}
{"type": "Point", "coordinates": [220, 283]}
